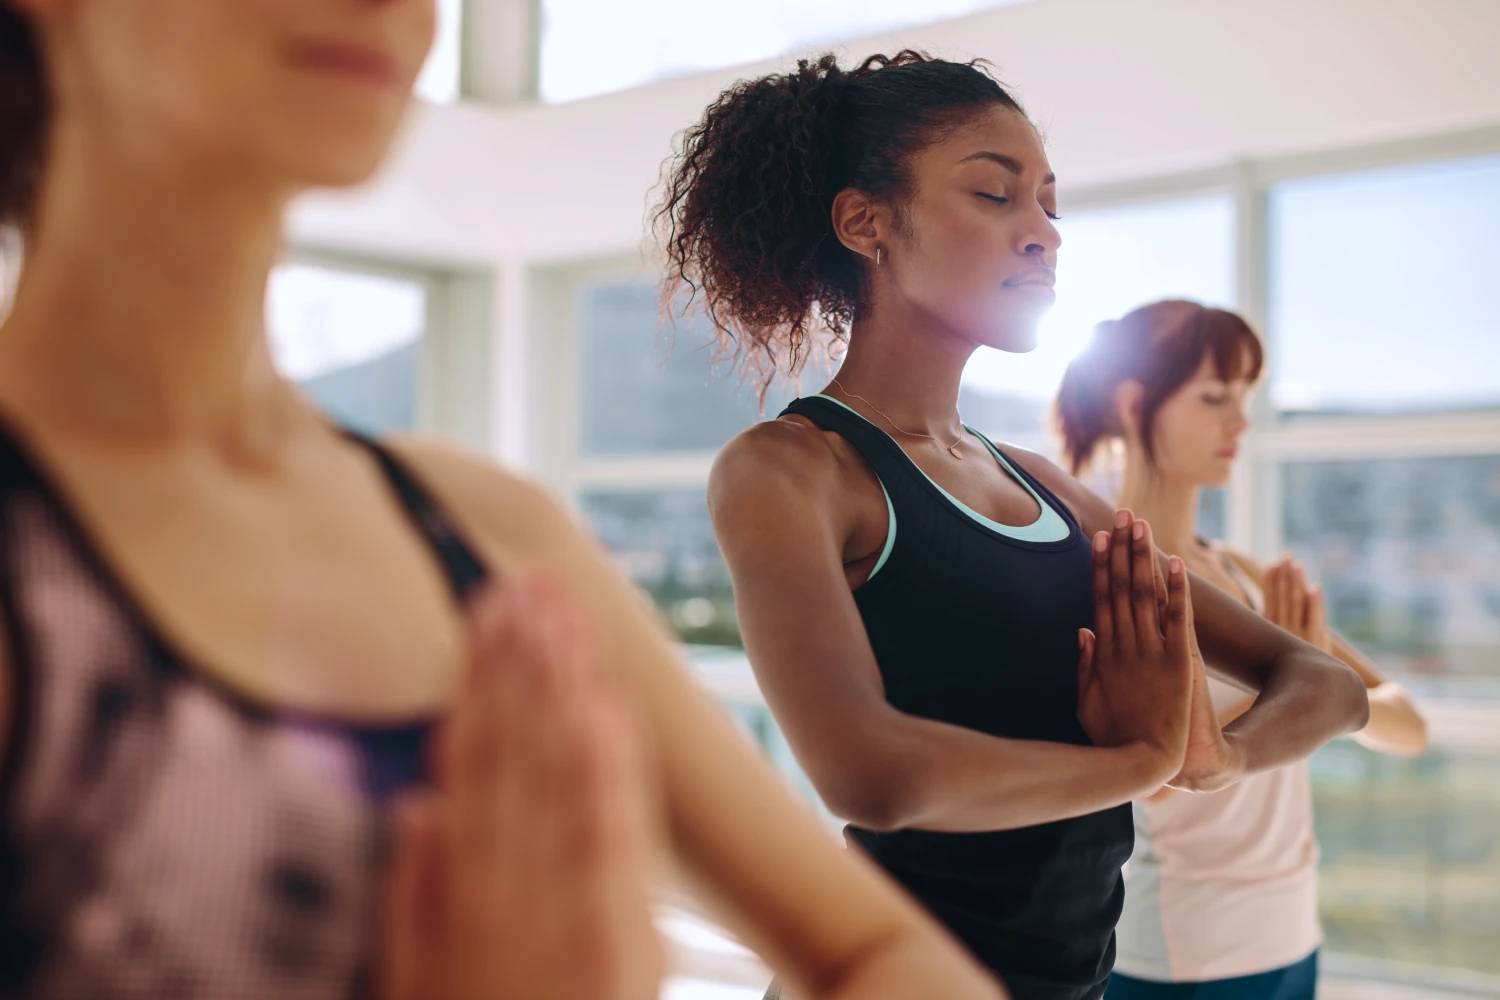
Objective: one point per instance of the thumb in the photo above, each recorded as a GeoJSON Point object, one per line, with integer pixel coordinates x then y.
{"type": "Point", "coordinates": [1086, 642]}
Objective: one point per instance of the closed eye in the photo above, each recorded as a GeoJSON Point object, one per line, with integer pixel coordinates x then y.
{"type": "Point", "coordinates": [997, 199]}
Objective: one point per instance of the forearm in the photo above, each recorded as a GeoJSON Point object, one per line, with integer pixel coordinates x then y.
{"type": "Point", "coordinates": [1395, 726]}
{"type": "Point", "coordinates": [916, 966]}
{"type": "Point", "coordinates": [954, 780]}
{"type": "Point", "coordinates": [1307, 699]}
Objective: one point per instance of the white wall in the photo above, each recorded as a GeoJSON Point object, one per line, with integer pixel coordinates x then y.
{"type": "Point", "coordinates": [1124, 89]}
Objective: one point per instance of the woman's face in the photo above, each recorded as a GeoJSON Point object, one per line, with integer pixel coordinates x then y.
{"type": "Point", "coordinates": [979, 251]}
{"type": "Point", "coordinates": [292, 92]}
{"type": "Point", "coordinates": [1198, 428]}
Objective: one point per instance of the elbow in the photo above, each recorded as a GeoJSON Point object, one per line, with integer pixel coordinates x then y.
{"type": "Point", "coordinates": [878, 799]}
{"type": "Point", "coordinates": [1353, 695]}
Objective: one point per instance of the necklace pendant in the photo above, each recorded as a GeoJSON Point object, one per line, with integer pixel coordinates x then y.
{"type": "Point", "coordinates": [955, 452]}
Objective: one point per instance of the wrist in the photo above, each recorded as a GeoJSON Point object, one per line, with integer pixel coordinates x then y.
{"type": "Point", "coordinates": [1229, 768]}
{"type": "Point", "coordinates": [1149, 766]}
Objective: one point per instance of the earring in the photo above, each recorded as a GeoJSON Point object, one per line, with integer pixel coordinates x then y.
{"type": "Point", "coordinates": [877, 256]}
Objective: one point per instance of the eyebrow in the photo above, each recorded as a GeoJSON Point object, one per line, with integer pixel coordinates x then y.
{"type": "Point", "coordinates": [1009, 163]}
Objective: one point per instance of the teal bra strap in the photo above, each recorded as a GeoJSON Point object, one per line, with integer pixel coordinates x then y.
{"type": "Point", "coordinates": [1049, 526]}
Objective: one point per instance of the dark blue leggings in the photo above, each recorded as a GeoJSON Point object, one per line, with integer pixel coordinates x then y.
{"type": "Point", "coordinates": [1294, 982]}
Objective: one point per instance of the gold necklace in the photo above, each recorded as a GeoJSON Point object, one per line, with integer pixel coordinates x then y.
{"type": "Point", "coordinates": [952, 448]}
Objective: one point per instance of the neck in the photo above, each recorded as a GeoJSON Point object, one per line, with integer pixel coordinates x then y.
{"type": "Point", "coordinates": [908, 367]}
{"type": "Point", "coordinates": [1170, 507]}
{"type": "Point", "coordinates": [140, 306]}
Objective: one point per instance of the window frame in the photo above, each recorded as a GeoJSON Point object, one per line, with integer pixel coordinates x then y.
{"type": "Point", "coordinates": [453, 383]}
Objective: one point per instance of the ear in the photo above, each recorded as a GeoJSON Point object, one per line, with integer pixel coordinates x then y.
{"type": "Point", "coordinates": [859, 222]}
{"type": "Point", "coordinates": [1130, 396]}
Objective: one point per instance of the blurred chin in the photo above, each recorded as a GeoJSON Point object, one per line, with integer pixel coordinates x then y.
{"type": "Point", "coordinates": [338, 158]}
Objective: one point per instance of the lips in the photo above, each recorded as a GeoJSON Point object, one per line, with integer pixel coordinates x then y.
{"type": "Point", "coordinates": [1036, 279]}
{"type": "Point", "coordinates": [351, 61]}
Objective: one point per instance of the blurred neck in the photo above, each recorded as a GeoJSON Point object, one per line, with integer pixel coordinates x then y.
{"type": "Point", "coordinates": [140, 309]}
{"type": "Point", "coordinates": [1169, 505]}
{"type": "Point", "coordinates": [909, 366]}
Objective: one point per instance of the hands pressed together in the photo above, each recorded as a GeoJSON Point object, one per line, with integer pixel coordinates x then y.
{"type": "Point", "coordinates": [1141, 677]}
{"type": "Point", "coordinates": [525, 871]}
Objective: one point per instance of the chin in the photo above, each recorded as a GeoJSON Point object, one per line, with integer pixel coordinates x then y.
{"type": "Point", "coordinates": [1019, 338]}
{"type": "Point", "coordinates": [332, 163]}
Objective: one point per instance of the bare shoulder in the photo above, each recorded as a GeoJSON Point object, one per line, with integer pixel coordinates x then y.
{"type": "Point", "coordinates": [509, 516]}
{"type": "Point", "coordinates": [775, 455]}
{"type": "Point", "coordinates": [1247, 563]}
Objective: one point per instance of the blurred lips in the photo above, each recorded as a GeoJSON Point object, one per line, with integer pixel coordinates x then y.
{"type": "Point", "coordinates": [350, 61]}
{"type": "Point", "coordinates": [1228, 454]}
{"type": "Point", "coordinates": [1035, 280]}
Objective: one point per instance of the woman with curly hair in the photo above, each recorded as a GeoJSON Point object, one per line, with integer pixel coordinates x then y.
{"type": "Point", "coordinates": [975, 659]}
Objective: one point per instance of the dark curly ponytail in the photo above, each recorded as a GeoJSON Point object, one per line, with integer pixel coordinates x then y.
{"type": "Point", "coordinates": [745, 219]}
{"type": "Point", "coordinates": [23, 118]}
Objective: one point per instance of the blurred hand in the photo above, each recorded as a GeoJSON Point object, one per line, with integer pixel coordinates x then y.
{"type": "Point", "coordinates": [525, 874]}
{"type": "Point", "coordinates": [1294, 605]}
{"type": "Point", "coordinates": [1135, 667]}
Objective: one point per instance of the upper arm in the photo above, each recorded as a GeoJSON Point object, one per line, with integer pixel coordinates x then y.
{"type": "Point", "coordinates": [761, 860]}
{"type": "Point", "coordinates": [777, 500]}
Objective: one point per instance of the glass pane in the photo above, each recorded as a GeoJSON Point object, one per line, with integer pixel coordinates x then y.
{"type": "Point", "coordinates": [1112, 260]}
{"type": "Point", "coordinates": [439, 80]}
{"type": "Point", "coordinates": [351, 340]}
{"type": "Point", "coordinates": [1408, 552]}
{"type": "Point", "coordinates": [1213, 514]}
{"type": "Point", "coordinates": [647, 388]}
{"type": "Point", "coordinates": [1411, 855]}
{"type": "Point", "coordinates": [595, 46]}
{"type": "Point", "coordinates": [1384, 290]}
{"type": "Point", "coordinates": [664, 541]}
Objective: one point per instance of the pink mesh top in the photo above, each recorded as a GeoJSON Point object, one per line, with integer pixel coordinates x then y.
{"type": "Point", "coordinates": [160, 836]}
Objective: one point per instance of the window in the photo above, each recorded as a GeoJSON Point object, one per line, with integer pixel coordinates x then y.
{"type": "Point", "coordinates": [664, 541]}
{"type": "Point", "coordinates": [647, 388]}
{"type": "Point", "coordinates": [591, 47]}
{"type": "Point", "coordinates": [1408, 552]}
{"type": "Point", "coordinates": [1411, 854]}
{"type": "Point", "coordinates": [439, 80]}
{"type": "Point", "coordinates": [653, 409]}
{"type": "Point", "coordinates": [1111, 261]}
{"type": "Point", "coordinates": [1384, 292]}
{"type": "Point", "coordinates": [351, 340]}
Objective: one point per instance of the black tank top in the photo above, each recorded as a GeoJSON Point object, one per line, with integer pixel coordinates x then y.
{"type": "Point", "coordinates": [976, 628]}
{"type": "Point", "coordinates": [160, 835]}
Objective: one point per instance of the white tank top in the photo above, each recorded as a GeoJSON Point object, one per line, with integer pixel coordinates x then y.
{"type": "Point", "coordinates": [1223, 884]}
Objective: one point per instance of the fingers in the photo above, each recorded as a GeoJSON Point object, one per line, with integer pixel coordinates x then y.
{"type": "Point", "coordinates": [1143, 581]}
{"type": "Point", "coordinates": [1296, 601]}
{"type": "Point", "coordinates": [1317, 617]}
{"type": "Point", "coordinates": [1179, 628]}
{"type": "Point", "coordinates": [1278, 607]}
{"type": "Point", "coordinates": [1120, 583]}
{"type": "Point", "coordinates": [411, 903]}
{"type": "Point", "coordinates": [1104, 609]}
{"type": "Point", "coordinates": [1086, 643]}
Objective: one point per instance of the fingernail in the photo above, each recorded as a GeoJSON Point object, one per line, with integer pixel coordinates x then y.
{"type": "Point", "coordinates": [1101, 542]}
{"type": "Point", "coordinates": [1174, 565]}
{"type": "Point", "coordinates": [1139, 531]}
{"type": "Point", "coordinates": [1080, 640]}
{"type": "Point", "coordinates": [1122, 519]}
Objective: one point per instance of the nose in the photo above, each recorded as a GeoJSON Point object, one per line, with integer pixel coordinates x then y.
{"type": "Point", "coordinates": [1040, 237]}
